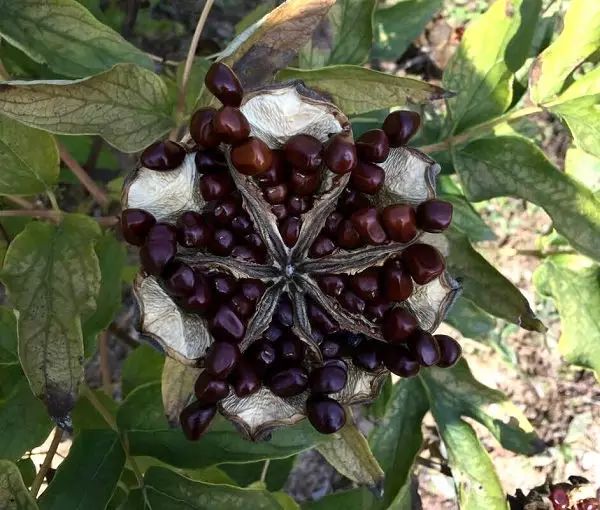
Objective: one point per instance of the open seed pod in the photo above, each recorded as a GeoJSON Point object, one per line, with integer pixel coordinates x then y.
{"type": "Point", "coordinates": [295, 265]}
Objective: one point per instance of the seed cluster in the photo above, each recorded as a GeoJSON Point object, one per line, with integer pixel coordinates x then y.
{"type": "Point", "coordinates": [561, 499]}
{"type": "Point", "coordinates": [290, 179]}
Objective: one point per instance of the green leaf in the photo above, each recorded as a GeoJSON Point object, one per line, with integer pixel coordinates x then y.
{"type": "Point", "coordinates": [166, 490]}
{"type": "Point", "coordinates": [27, 470]}
{"type": "Point", "coordinates": [45, 29]}
{"type": "Point", "coordinates": [584, 167]}
{"type": "Point", "coordinates": [28, 158]}
{"type": "Point", "coordinates": [53, 278]}
{"type": "Point", "coordinates": [514, 166]}
{"type": "Point", "coordinates": [579, 39]}
{"type": "Point", "coordinates": [89, 475]}
{"type": "Point", "coordinates": [13, 493]}
{"type": "Point", "coordinates": [579, 106]}
{"type": "Point", "coordinates": [195, 85]}
{"type": "Point", "coordinates": [142, 416]}
{"type": "Point", "coordinates": [376, 409]}
{"type": "Point", "coordinates": [277, 473]}
{"type": "Point", "coordinates": [86, 416]}
{"type": "Point", "coordinates": [128, 106]}
{"type": "Point", "coordinates": [400, 24]}
{"type": "Point", "coordinates": [493, 47]}
{"type": "Point", "coordinates": [142, 366]}
{"type": "Point", "coordinates": [112, 257]}
{"type": "Point", "coordinates": [455, 392]}
{"type": "Point", "coordinates": [80, 147]}
{"type": "Point", "coordinates": [349, 453]}
{"type": "Point", "coordinates": [484, 285]}
{"type": "Point", "coordinates": [177, 384]}
{"type": "Point", "coordinates": [573, 282]}
{"type": "Point", "coordinates": [254, 15]}
{"type": "Point", "coordinates": [8, 336]}
{"type": "Point", "coordinates": [358, 89]}
{"type": "Point", "coordinates": [469, 319]}
{"type": "Point", "coordinates": [23, 421]}
{"type": "Point", "coordinates": [356, 499]}
{"type": "Point", "coordinates": [345, 36]}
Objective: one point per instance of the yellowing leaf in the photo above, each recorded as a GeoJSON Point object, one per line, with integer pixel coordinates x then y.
{"type": "Point", "coordinates": [177, 387]}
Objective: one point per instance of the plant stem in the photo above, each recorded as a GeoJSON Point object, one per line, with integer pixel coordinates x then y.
{"type": "Point", "coordinates": [4, 76]}
{"type": "Point", "coordinates": [21, 202]}
{"type": "Point", "coordinates": [98, 194]}
{"type": "Point", "coordinates": [474, 131]}
{"type": "Point", "coordinates": [189, 61]}
{"type": "Point", "coordinates": [53, 201]}
{"type": "Point", "coordinates": [105, 221]}
{"type": "Point", "coordinates": [104, 363]}
{"type": "Point", "coordinates": [39, 477]}
{"type": "Point", "coordinates": [265, 469]}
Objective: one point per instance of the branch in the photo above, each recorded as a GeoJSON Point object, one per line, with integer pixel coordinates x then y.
{"type": "Point", "coordinates": [105, 221]}
{"type": "Point", "coordinates": [104, 363]}
{"type": "Point", "coordinates": [39, 478]}
{"type": "Point", "coordinates": [97, 193]}
{"type": "Point", "coordinates": [21, 202]}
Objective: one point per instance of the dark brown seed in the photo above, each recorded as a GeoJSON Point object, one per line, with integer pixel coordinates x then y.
{"type": "Point", "coordinates": [340, 154]}
{"type": "Point", "coordinates": [216, 186]}
{"type": "Point", "coordinates": [193, 231]}
{"type": "Point", "coordinates": [221, 358]}
{"type": "Point", "coordinates": [210, 161]}
{"type": "Point", "coordinates": [162, 156]}
{"type": "Point", "coordinates": [254, 240]}
{"type": "Point", "coordinates": [424, 262]}
{"type": "Point", "coordinates": [195, 419]}
{"type": "Point", "coordinates": [201, 129]}
{"type": "Point", "coordinates": [290, 349]}
{"type": "Point", "coordinates": [290, 230]}
{"type": "Point", "coordinates": [226, 325]}
{"type": "Point", "coordinates": [201, 300]}
{"type": "Point", "coordinates": [351, 302]}
{"type": "Point", "coordinates": [366, 222]}
{"type": "Point", "coordinates": [284, 313]}
{"type": "Point", "coordinates": [319, 318]}
{"type": "Point", "coordinates": [336, 362]}
{"type": "Point", "coordinates": [179, 279]}
{"type": "Point", "coordinates": [288, 382]}
{"type": "Point", "coordinates": [366, 284]}
{"type": "Point", "coordinates": [327, 379]}
{"type": "Point", "coordinates": [231, 125]}
{"type": "Point", "coordinates": [241, 224]}
{"type": "Point", "coordinates": [222, 82]}
{"type": "Point", "coordinates": [276, 194]}
{"type": "Point", "coordinates": [397, 283]}
{"type": "Point", "coordinates": [400, 361]}
{"type": "Point", "coordinates": [222, 242]}
{"type": "Point", "coordinates": [325, 414]}
{"type": "Point", "coordinates": [242, 306]}
{"type": "Point", "coordinates": [274, 332]}
{"type": "Point", "coordinates": [276, 173]}
{"type": "Point", "coordinates": [209, 390]}
{"type": "Point", "coordinates": [376, 309]}
{"type": "Point", "coordinates": [367, 356]}
{"type": "Point", "coordinates": [434, 215]}
{"type": "Point", "coordinates": [450, 350]}
{"type": "Point", "coordinates": [400, 222]}
{"type": "Point", "coordinates": [224, 285]}
{"type": "Point", "coordinates": [298, 205]}
{"type": "Point", "coordinates": [245, 379]}
{"type": "Point", "coordinates": [225, 211]}
{"type": "Point", "coordinates": [280, 211]}
{"type": "Point", "coordinates": [373, 146]}
{"type": "Point", "coordinates": [367, 178]}
{"type": "Point", "coordinates": [156, 255]}
{"type": "Point", "coordinates": [252, 156]}
{"type": "Point", "coordinates": [135, 225]}
{"type": "Point", "coordinates": [332, 224]}
{"type": "Point", "coordinates": [330, 349]}
{"type": "Point", "coordinates": [400, 126]}
{"type": "Point", "coordinates": [262, 355]}
{"type": "Point", "coordinates": [321, 247]}
{"type": "Point", "coordinates": [161, 232]}
{"type": "Point", "coordinates": [352, 200]}
{"type": "Point", "coordinates": [248, 254]}
{"type": "Point", "coordinates": [398, 325]}
{"type": "Point", "coordinates": [331, 284]}
{"type": "Point", "coordinates": [304, 184]}
{"type": "Point", "coordinates": [348, 237]}
{"type": "Point", "coordinates": [253, 289]}
{"type": "Point", "coordinates": [424, 348]}
{"type": "Point", "coordinates": [304, 152]}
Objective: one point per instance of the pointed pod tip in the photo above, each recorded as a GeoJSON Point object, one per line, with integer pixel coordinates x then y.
{"type": "Point", "coordinates": [378, 488]}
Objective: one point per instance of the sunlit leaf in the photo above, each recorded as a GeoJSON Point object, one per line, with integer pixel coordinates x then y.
{"type": "Point", "coordinates": [584, 167]}
{"type": "Point", "coordinates": [142, 366]}
{"type": "Point", "coordinates": [469, 319]}
{"type": "Point", "coordinates": [177, 384]}
{"type": "Point", "coordinates": [13, 493]}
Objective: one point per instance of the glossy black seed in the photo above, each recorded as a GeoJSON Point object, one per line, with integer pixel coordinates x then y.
{"type": "Point", "coordinates": [351, 302]}
{"type": "Point", "coordinates": [261, 355]}
{"type": "Point", "coordinates": [195, 419]}
{"type": "Point", "coordinates": [290, 348]}
{"type": "Point", "coordinates": [201, 300]}
{"type": "Point", "coordinates": [367, 178]}
{"type": "Point", "coordinates": [398, 325]}
{"type": "Point", "coordinates": [321, 247]}
{"type": "Point", "coordinates": [274, 332]}
{"type": "Point", "coordinates": [325, 414]}
{"type": "Point", "coordinates": [135, 225]}
{"type": "Point", "coordinates": [397, 283]}
{"type": "Point", "coordinates": [179, 279]}
{"type": "Point", "coordinates": [276, 173]}
{"type": "Point", "coordinates": [252, 157]}
{"type": "Point", "coordinates": [288, 382]}
{"type": "Point", "coordinates": [155, 256]}
{"type": "Point", "coordinates": [450, 350]}
{"type": "Point", "coordinates": [226, 325]}
{"type": "Point", "coordinates": [222, 82]}
{"type": "Point", "coordinates": [399, 222]}
{"type": "Point", "coordinates": [254, 240]}
{"type": "Point", "coordinates": [400, 361]}
{"type": "Point", "coordinates": [163, 156]}
{"type": "Point", "coordinates": [276, 194]}
{"type": "Point", "coordinates": [216, 186]}
{"type": "Point", "coordinates": [332, 224]}
{"type": "Point", "coordinates": [366, 284]}
{"type": "Point", "coordinates": [400, 126]}
{"type": "Point", "coordinates": [376, 309]}
{"type": "Point", "coordinates": [247, 254]}
{"type": "Point", "coordinates": [252, 289]}
{"type": "Point", "coordinates": [290, 230]}
{"type": "Point", "coordinates": [225, 211]}
{"type": "Point", "coordinates": [327, 379]}
{"type": "Point", "coordinates": [336, 362]}
{"type": "Point", "coordinates": [424, 348]}
{"type": "Point", "coordinates": [303, 184]}
{"type": "Point", "coordinates": [373, 146]}
{"type": "Point", "coordinates": [423, 262]}
{"type": "Point", "coordinates": [162, 232]}
{"type": "Point", "coordinates": [221, 358]}
{"type": "Point", "coordinates": [193, 231]}
{"type": "Point", "coordinates": [330, 348]}
{"type": "Point", "coordinates": [304, 152]}
{"type": "Point", "coordinates": [280, 211]}
{"type": "Point", "coordinates": [298, 205]}
{"type": "Point", "coordinates": [242, 224]}
{"type": "Point", "coordinates": [340, 154]}
{"type": "Point", "coordinates": [210, 161]}
{"type": "Point", "coordinates": [434, 215]}
{"type": "Point", "coordinates": [320, 318]}
{"type": "Point", "coordinates": [348, 237]}
{"type": "Point", "coordinates": [242, 306]}
{"type": "Point", "coordinates": [367, 356]}
{"type": "Point", "coordinates": [284, 313]}
{"type": "Point", "coordinates": [331, 284]}
{"type": "Point", "coordinates": [224, 285]}
{"type": "Point", "coordinates": [209, 390]}
{"type": "Point", "coordinates": [367, 224]}
{"type": "Point", "coordinates": [351, 201]}
{"type": "Point", "coordinates": [245, 379]}
{"type": "Point", "coordinates": [231, 125]}
{"type": "Point", "coordinates": [222, 242]}
{"type": "Point", "coordinates": [201, 129]}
